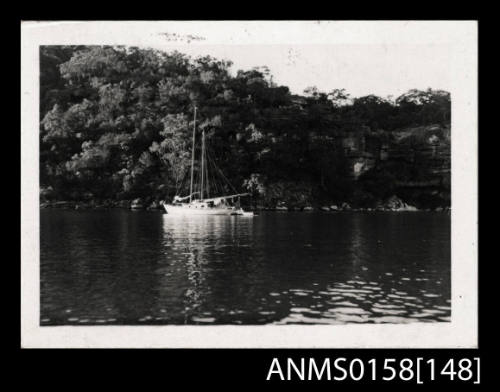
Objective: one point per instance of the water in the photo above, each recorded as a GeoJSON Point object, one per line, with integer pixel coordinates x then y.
{"type": "Point", "coordinates": [142, 268]}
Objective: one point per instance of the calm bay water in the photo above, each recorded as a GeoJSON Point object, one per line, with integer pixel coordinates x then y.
{"type": "Point", "coordinates": [133, 268]}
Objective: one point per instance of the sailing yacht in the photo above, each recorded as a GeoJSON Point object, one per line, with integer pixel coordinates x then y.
{"type": "Point", "coordinates": [199, 202]}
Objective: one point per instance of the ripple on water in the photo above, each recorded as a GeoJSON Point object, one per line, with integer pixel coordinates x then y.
{"type": "Point", "coordinates": [298, 310]}
{"type": "Point", "coordinates": [429, 313]}
{"type": "Point", "coordinates": [392, 312]}
{"type": "Point", "coordinates": [388, 306]}
{"type": "Point", "coordinates": [300, 293]}
{"type": "Point", "coordinates": [299, 318]}
{"type": "Point", "coordinates": [356, 282]}
{"type": "Point", "coordinates": [334, 299]}
{"type": "Point", "coordinates": [412, 305]}
{"type": "Point", "coordinates": [347, 310]}
{"type": "Point", "coordinates": [351, 291]}
{"type": "Point", "coordinates": [371, 288]}
{"type": "Point", "coordinates": [394, 320]}
{"type": "Point", "coordinates": [345, 303]}
{"type": "Point", "coordinates": [349, 318]}
{"type": "Point", "coordinates": [203, 319]}
{"type": "Point", "coordinates": [178, 267]}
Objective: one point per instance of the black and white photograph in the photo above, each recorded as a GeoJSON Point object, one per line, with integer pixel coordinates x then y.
{"type": "Point", "coordinates": [291, 182]}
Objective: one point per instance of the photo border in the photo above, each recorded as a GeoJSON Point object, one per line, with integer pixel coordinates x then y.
{"type": "Point", "coordinates": [461, 332]}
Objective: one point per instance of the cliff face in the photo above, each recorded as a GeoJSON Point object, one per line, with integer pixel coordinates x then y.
{"type": "Point", "coordinates": [416, 160]}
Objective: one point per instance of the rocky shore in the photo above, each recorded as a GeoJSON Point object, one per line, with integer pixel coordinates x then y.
{"type": "Point", "coordinates": [136, 204]}
{"type": "Point", "coordinates": [393, 203]}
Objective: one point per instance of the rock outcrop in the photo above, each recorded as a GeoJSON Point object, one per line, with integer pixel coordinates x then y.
{"type": "Point", "coordinates": [418, 160]}
{"type": "Point", "coordinates": [394, 203]}
{"type": "Point", "coordinates": [137, 204]}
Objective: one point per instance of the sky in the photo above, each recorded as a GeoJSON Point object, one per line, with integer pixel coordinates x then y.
{"type": "Point", "coordinates": [383, 70]}
{"type": "Point", "coordinates": [364, 57]}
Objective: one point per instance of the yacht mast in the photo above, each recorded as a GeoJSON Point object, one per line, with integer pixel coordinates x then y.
{"type": "Point", "coordinates": [192, 157]}
{"type": "Point", "coordinates": [202, 164]}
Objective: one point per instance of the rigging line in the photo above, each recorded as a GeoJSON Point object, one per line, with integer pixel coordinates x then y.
{"type": "Point", "coordinates": [192, 154]}
{"type": "Point", "coordinates": [210, 172]}
{"type": "Point", "coordinates": [212, 162]}
{"type": "Point", "coordinates": [198, 175]}
{"type": "Point", "coordinates": [207, 171]}
{"type": "Point", "coordinates": [225, 178]}
{"type": "Point", "coordinates": [219, 185]}
{"type": "Point", "coordinates": [207, 179]}
{"type": "Point", "coordinates": [202, 163]}
{"type": "Point", "coordinates": [217, 168]}
{"type": "Point", "coordinates": [180, 187]}
{"type": "Point", "coordinates": [207, 176]}
{"type": "Point", "coordinates": [219, 180]}
{"type": "Point", "coordinates": [185, 183]}
{"type": "Point", "coordinates": [196, 182]}
{"type": "Point", "coordinates": [223, 185]}
{"type": "Point", "coordinates": [213, 177]}
{"type": "Point", "coordinates": [177, 187]}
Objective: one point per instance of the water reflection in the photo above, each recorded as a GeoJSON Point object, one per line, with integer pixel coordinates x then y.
{"type": "Point", "coordinates": [120, 267]}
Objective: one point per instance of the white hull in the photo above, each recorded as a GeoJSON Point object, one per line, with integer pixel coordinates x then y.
{"type": "Point", "coordinates": [192, 210]}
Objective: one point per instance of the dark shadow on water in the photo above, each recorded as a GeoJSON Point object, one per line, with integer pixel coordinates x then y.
{"type": "Point", "coordinates": [142, 268]}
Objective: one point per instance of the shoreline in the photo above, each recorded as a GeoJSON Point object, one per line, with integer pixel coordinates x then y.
{"type": "Point", "coordinates": [155, 206]}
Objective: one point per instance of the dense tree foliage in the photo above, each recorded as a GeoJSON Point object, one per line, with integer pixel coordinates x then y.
{"type": "Point", "coordinates": [116, 123]}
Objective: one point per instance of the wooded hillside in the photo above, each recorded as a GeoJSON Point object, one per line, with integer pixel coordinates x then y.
{"type": "Point", "coordinates": [116, 123]}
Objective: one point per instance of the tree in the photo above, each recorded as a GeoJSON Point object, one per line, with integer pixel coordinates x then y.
{"type": "Point", "coordinates": [339, 98]}
{"type": "Point", "coordinates": [116, 122]}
